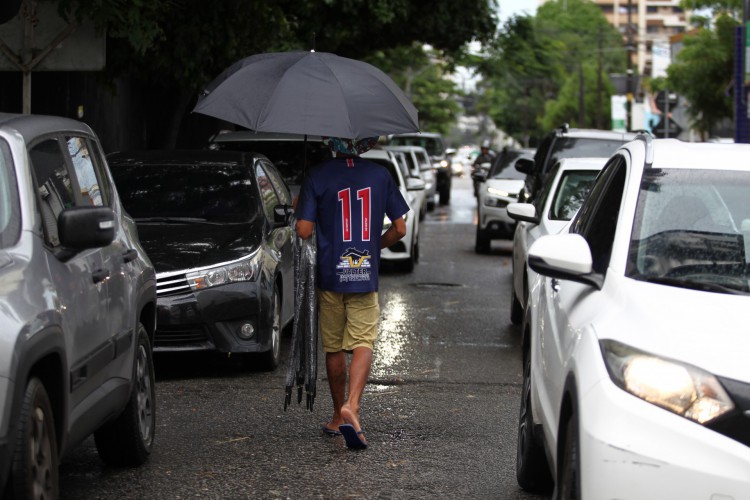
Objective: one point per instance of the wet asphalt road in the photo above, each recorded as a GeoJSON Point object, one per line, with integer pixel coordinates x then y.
{"type": "Point", "coordinates": [440, 412]}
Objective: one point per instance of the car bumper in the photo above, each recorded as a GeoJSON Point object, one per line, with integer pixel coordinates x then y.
{"type": "Point", "coordinates": [633, 449]}
{"type": "Point", "coordinates": [212, 319]}
{"type": "Point", "coordinates": [495, 221]}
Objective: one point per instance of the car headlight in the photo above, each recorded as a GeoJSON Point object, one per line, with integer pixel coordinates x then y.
{"type": "Point", "coordinates": [680, 388]}
{"type": "Point", "coordinates": [499, 192]}
{"type": "Point", "coordinates": [242, 270]}
{"type": "Point", "coordinates": [443, 164]}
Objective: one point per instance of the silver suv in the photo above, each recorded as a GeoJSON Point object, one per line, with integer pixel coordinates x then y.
{"type": "Point", "coordinates": [77, 308]}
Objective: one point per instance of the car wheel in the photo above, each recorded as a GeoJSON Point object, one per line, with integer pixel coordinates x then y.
{"type": "Point", "coordinates": [34, 473]}
{"type": "Point", "coordinates": [128, 439]}
{"type": "Point", "coordinates": [270, 358]}
{"type": "Point", "coordinates": [568, 474]}
{"type": "Point", "coordinates": [532, 470]}
{"type": "Point", "coordinates": [516, 309]}
{"type": "Point", "coordinates": [482, 244]}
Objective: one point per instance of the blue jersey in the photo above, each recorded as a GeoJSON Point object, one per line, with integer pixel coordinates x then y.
{"type": "Point", "coordinates": [347, 198]}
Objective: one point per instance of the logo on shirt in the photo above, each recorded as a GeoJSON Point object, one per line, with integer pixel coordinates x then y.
{"type": "Point", "coordinates": [354, 265]}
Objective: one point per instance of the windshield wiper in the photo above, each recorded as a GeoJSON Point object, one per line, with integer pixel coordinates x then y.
{"type": "Point", "coordinates": [693, 285]}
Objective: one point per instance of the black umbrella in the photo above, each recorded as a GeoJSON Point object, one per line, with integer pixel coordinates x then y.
{"type": "Point", "coordinates": [315, 93]}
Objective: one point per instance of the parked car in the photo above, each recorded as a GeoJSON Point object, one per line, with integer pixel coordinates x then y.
{"type": "Point", "coordinates": [439, 153]}
{"type": "Point", "coordinates": [420, 167]}
{"type": "Point", "coordinates": [495, 189]}
{"type": "Point", "coordinates": [406, 165]}
{"type": "Point", "coordinates": [291, 154]}
{"type": "Point", "coordinates": [405, 252]}
{"type": "Point", "coordinates": [636, 380]}
{"type": "Point", "coordinates": [566, 142]}
{"type": "Point", "coordinates": [77, 308]}
{"type": "Point", "coordinates": [567, 186]}
{"type": "Point", "coordinates": [215, 224]}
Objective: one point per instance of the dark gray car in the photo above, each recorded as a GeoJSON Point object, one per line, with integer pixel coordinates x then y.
{"type": "Point", "coordinates": [77, 308]}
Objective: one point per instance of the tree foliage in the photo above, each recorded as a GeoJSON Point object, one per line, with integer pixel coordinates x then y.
{"type": "Point", "coordinates": [531, 74]}
{"type": "Point", "coordinates": [703, 72]}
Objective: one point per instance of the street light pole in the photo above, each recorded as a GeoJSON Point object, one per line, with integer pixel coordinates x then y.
{"type": "Point", "coordinates": [629, 103]}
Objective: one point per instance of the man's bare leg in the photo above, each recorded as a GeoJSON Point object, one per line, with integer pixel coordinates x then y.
{"type": "Point", "coordinates": [359, 372]}
{"type": "Point", "coordinates": [336, 370]}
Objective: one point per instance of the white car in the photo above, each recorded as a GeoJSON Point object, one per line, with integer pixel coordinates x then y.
{"type": "Point", "coordinates": [405, 253]}
{"type": "Point", "coordinates": [567, 186]}
{"type": "Point", "coordinates": [636, 373]}
{"type": "Point", "coordinates": [495, 190]}
{"type": "Point", "coordinates": [406, 165]}
{"type": "Point", "coordinates": [420, 166]}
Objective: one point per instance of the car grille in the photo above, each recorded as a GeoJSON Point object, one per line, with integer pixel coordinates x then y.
{"type": "Point", "coordinates": [181, 336]}
{"type": "Point", "coordinates": [736, 424]}
{"type": "Point", "coordinates": [172, 284]}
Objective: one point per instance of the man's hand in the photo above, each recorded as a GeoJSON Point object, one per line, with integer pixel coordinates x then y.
{"type": "Point", "coordinates": [394, 233]}
{"type": "Point", "coordinates": [305, 229]}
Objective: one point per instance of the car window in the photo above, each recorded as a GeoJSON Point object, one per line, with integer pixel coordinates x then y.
{"type": "Point", "coordinates": [433, 146]}
{"type": "Point", "coordinates": [411, 163]}
{"type": "Point", "coordinates": [572, 189]}
{"type": "Point", "coordinates": [282, 191]}
{"type": "Point", "coordinates": [53, 184]}
{"type": "Point", "coordinates": [544, 193]}
{"type": "Point", "coordinates": [10, 213]}
{"type": "Point", "coordinates": [204, 192]}
{"type": "Point", "coordinates": [85, 173]}
{"type": "Point", "coordinates": [424, 160]}
{"type": "Point", "coordinates": [267, 193]}
{"type": "Point", "coordinates": [583, 147]}
{"type": "Point", "coordinates": [692, 225]}
{"type": "Point", "coordinates": [597, 219]}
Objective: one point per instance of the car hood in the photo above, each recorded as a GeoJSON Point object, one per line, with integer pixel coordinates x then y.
{"type": "Point", "coordinates": [512, 186]}
{"type": "Point", "coordinates": [179, 246]}
{"type": "Point", "coordinates": [705, 329]}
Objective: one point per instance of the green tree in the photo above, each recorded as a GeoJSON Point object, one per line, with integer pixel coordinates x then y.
{"type": "Point", "coordinates": [175, 47]}
{"type": "Point", "coordinates": [532, 80]}
{"type": "Point", "coordinates": [703, 71]}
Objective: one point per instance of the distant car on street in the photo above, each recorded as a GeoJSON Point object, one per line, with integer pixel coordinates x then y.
{"type": "Point", "coordinates": [496, 188]}
{"type": "Point", "coordinates": [215, 224]}
{"type": "Point", "coordinates": [567, 186]}
{"type": "Point", "coordinates": [77, 308]}
{"type": "Point", "coordinates": [636, 379]}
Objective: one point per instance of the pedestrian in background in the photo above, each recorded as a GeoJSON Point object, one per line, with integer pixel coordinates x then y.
{"type": "Point", "coordinates": [344, 199]}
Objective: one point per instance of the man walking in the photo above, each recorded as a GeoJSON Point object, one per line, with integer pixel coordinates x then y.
{"type": "Point", "coordinates": [345, 199]}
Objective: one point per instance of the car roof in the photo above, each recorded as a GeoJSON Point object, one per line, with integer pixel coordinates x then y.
{"type": "Point", "coordinates": [405, 149]}
{"type": "Point", "coordinates": [249, 135]}
{"type": "Point", "coordinates": [32, 126]}
{"type": "Point", "coordinates": [418, 134]}
{"type": "Point", "coordinates": [673, 153]}
{"type": "Point", "coordinates": [180, 157]}
{"type": "Point", "coordinates": [591, 133]}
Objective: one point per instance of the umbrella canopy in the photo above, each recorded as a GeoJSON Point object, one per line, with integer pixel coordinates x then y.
{"type": "Point", "coordinates": [314, 93]}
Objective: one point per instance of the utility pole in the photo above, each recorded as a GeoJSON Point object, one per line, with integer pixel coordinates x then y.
{"type": "Point", "coordinates": [599, 82]}
{"type": "Point", "coordinates": [629, 103]}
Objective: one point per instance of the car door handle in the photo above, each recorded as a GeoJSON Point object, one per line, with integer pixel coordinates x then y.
{"type": "Point", "coordinates": [100, 275]}
{"type": "Point", "coordinates": [130, 255]}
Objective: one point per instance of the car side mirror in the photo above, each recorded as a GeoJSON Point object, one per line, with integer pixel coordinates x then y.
{"type": "Point", "coordinates": [81, 228]}
{"type": "Point", "coordinates": [565, 256]}
{"type": "Point", "coordinates": [413, 184]}
{"type": "Point", "coordinates": [525, 166]}
{"type": "Point", "coordinates": [522, 212]}
{"type": "Point", "coordinates": [282, 214]}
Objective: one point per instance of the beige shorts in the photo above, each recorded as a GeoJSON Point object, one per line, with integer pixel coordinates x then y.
{"type": "Point", "coordinates": [348, 320]}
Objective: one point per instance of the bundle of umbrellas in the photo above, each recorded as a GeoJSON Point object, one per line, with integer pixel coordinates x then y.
{"type": "Point", "coordinates": [310, 93]}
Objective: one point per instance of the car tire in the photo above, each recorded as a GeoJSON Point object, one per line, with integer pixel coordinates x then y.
{"type": "Point", "coordinates": [482, 244]}
{"type": "Point", "coordinates": [269, 360]}
{"type": "Point", "coordinates": [128, 440]}
{"type": "Point", "coordinates": [568, 464]}
{"type": "Point", "coordinates": [516, 309]}
{"type": "Point", "coordinates": [34, 471]}
{"type": "Point", "coordinates": [532, 469]}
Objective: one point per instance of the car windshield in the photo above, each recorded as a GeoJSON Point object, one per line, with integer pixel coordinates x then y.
{"type": "Point", "coordinates": [583, 147]}
{"type": "Point", "coordinates": [9, 211]}
{"type": "Point", "coordinates": [202, 192]}
{"type": "Point", "coordinates": [691, 229]}
{"type": "Point", "coordinates": [433, 146]}
{"type": "Point", "coordinates": [504, 166]}
{"type": "Point", "coordinates": [572, 189]}
{"type": "Point", "coordinates": [287, 156]}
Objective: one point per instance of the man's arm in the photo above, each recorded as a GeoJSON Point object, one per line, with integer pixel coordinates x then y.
{"type": "Point", "coordinates": [305, 229]}
{"type": "Point", "coordinates": [393, 234]}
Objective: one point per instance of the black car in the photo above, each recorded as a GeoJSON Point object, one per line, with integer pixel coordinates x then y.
{"type": "Point", "coordinates": [566, 142]}
{"type": "Point", "coordinates": [215, 225]}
